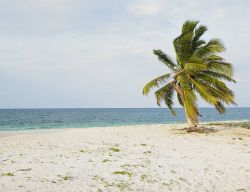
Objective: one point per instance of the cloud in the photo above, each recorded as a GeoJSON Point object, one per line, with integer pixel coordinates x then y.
{"type": "Point", "coordinates": [145, 7]}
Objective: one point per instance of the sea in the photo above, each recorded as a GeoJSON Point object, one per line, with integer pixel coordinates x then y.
{"type": "Point", "coordinates": [26, 119]}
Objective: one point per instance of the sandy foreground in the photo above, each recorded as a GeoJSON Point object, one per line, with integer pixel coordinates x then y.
{"type": "Point", "coordinates": [128, 158]}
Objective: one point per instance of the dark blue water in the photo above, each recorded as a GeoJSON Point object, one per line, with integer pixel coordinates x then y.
{"type": "Point", "coordinates": [23, 119]}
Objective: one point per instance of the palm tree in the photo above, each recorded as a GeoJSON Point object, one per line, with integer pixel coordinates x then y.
{"type": "Point", "coordinates": [198, 69]}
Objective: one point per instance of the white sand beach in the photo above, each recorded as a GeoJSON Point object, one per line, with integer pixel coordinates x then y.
{"type": "Point", "coordinates": [150, 158]}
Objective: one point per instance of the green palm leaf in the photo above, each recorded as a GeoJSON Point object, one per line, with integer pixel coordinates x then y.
{"type": "Point", "coordinates": [164, 58]}
{"type": "Point", "coordinates": [166, 94]}
{"type": "Point", "coordinates": [221, 67]}
{"type": "Point", "coordinates": [156, 83]}
{"type": "Point", "coordinates": [219, 75]}
{"type": "Point", "coordinates": [196, 43]}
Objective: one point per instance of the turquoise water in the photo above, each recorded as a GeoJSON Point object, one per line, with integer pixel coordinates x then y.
{"type": "Point", "coordinates": [23, 119]}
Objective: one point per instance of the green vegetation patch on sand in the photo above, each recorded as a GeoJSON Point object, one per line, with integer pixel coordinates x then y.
{"type": "Point", "coordinates": [123, 173]}
{"type": "Point", "coordinates": [83, 151]}
{"type": "Point", "coordinates": [8, 174]}
{"type": "Point", "coordinates": [114, 149]}
{"type": "Point", "coordinates": [105, 160]}
{"type": "Point", "coordinates": [65, 177]}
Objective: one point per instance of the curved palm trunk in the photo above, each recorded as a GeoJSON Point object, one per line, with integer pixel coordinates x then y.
{"type": "Point", "coordinates": [190, 121]}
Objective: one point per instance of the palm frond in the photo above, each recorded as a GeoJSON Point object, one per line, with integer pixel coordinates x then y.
{"type": "Point", "coordinates": [213, 46]}
{"type": "Point", "coordinates": [166, 94]}
{"type": "Point", "coordinates": [183, 43]}
{"type": "Point", "coordinates": [221, 67]}
{"type": "Point", "coordinates": [204, 92]}
{"type": "Point", "coordinates": [213, 58]}
{"type": "Point", "coordinates": [197, 35]}
{"type": "Point", "coordinates": [199, 32]}
{"type": "Point", "coordinates": [164, 58]}
{"type": "Point", "coordinates": [216, 83]}
{"type": "Point", "coordinates": [220, 107]}
{"type": "Point", "coordinates": [156, 83]}
{"type": "Point", "coordinates": [183, 48]}
{"type": "Point", "coordinates": [189, 26]}
{"type": "Point", "coordinates": [218, 75]}
{"type": "Point", "coordinates": [213, 94]}
{"type": "Point", "coordinates": [196, 67]}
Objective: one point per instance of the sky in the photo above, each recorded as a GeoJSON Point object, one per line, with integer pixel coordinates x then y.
{"type": "Point", "coordinates": [79, 53]}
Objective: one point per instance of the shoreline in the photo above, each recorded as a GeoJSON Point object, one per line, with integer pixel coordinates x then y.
{"type": "Point", "coordinates": [22, 131]}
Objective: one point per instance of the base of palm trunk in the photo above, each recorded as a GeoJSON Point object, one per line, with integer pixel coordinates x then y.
{"type": "Point", "coordinates": [192, 129]}
{"type": "Point", "coordinates": [200, 129]}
